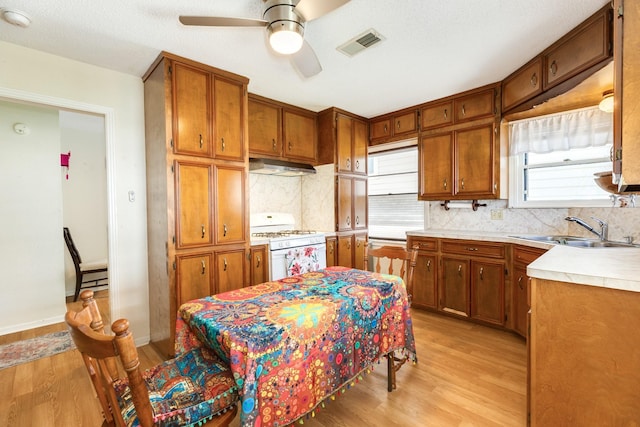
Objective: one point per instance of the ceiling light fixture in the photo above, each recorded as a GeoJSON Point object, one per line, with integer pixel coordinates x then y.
{"type": "Point", "coordinates": [606, 104]}
{"type": "Point", "coordinates": [286, 28]}
{"type": "Point", "coordinates": [15, 17]}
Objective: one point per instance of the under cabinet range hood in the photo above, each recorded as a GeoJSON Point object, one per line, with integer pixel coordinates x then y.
{"type": "Point", "coordinates": [279, 167]}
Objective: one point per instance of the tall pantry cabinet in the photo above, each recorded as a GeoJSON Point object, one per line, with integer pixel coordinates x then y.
{"type": "Point", "coordinates": [197, 197]}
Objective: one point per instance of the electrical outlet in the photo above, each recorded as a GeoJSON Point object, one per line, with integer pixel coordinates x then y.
{"type": "Point", "coordinates": [496, 214]}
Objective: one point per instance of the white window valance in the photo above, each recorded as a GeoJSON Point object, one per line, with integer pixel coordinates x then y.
{"type": "Point", "coordinates": [587, 127]}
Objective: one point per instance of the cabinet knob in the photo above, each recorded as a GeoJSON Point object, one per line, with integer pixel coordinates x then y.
{"type": "Point", "coordinates": [534, 80]}
{"type": "Point", "coordinates": [398, 124]}
{"type": "Point", "coordinates": [223, 145]}
{"type": "Point", "coordinates": [258, 261]}
{"type": "Point", "coordinates": [385, 128]}
{"type": "Point", "coordinates": [444, 183]}
{"type": "Point", "coordinates": [203, 267]}
{"type": "Point", "coordinates": [554, 67]}
{"type": "Point", "coordinates": [462, 183]}
{"type": "Point", "coordinates": [224, 230]}
{"type": "Point", "coordinates": [481, 273]}
{"type": "Point", "coordinates": [201, 141]}
{"type": "Point", "coordinates": [428, 265]}
{"type": "Point", "coordinates": [460, 270]}
{"type": "Point", "coordinates": [203, 230]}
{"type": "Point", "coordinates": [464, 112]}
{"type": "Point", "coordinates": [225, 264]}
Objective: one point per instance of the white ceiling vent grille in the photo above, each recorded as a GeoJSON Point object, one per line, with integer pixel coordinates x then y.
{"type": "Point", "coordinates": [360, 42]}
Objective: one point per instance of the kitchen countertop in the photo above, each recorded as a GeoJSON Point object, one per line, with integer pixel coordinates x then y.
{"type": "Point", "coordinates": [615, 268]}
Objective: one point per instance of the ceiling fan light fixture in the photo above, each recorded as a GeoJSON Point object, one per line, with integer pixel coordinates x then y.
{"type": "Point", "coordinates": [286, 37]}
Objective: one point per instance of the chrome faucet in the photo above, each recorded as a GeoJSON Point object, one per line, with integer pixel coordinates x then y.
{"type": "Point", "coordinates": [604, 227]}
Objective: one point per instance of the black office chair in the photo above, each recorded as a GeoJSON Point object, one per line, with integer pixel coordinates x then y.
{"type": "Point", "coordinates": [84, 269]}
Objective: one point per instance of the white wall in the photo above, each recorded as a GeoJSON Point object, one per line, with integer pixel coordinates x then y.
{"type": "Point", "coordinates": [30, 74]}
{"type": "Point", "coordinates": [31, 254]}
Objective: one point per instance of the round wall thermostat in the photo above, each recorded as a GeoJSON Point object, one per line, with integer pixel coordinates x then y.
{"type": "Point", "coordinates": [21, 129]}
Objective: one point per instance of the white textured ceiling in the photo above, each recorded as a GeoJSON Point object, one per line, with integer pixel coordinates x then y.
{"type": "Point", "coordinates": [432, 48]}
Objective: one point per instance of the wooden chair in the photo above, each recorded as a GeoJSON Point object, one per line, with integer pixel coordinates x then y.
{"type": "Point", "coordinates": [84, 269]}
{"type": "Point", "coordinates": [195, 388]}
{"type": "Point", "coordinates": [407, 260]}
{"type": "Point", "coordinates": [394, 254]}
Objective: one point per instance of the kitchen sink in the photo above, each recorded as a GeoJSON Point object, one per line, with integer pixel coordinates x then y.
{"type": "Point", "coordinates": [576, 241]}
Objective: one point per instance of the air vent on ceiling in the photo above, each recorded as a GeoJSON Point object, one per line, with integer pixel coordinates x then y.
{"type": "Point", "coordinates": [360, 42]}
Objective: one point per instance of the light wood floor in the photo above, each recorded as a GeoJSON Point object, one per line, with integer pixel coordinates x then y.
{"type": "Point", "coordinates": [467, 375]}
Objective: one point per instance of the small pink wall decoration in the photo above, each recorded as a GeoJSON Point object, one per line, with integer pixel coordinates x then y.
{"type": "Point", "coordinates": [64, 162]}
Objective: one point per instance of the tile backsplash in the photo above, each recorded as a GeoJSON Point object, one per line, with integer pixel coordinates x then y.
{"type": "Point", "coordinates": [311, 200]}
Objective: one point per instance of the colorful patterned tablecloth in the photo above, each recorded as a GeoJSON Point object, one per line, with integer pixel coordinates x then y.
{"type": "Point", "coordinates": [294, 342]}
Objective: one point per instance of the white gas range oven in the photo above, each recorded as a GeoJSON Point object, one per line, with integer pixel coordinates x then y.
{"type": "Point", "coordinates": [291, 251]}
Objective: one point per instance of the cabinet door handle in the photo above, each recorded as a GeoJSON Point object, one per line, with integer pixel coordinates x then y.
{"type": "Point", "coordinates": [428, 265]}
{"type": "Point", "coordinates": [224, 230]}
{"type": "Point", "coordinates": [258, 261]}
{"type": "Point", "coordinates": [348, 163]}
{"type": "Point", "coordinates": [331, 249]}
{"type": "Point", "coordinates": [349, 220]}
{"type": "Point", "coordinates": [203, 230]}
{"type": "Point", "coordinates": [534, 80]}
{"type": "Point", "coordinates": [462, 183]}
{"type": "Point", "coordinates": [273, 144]}
{"type": "Point", "coordinates": [520, 283]}
{"type": "Point", "coordinates": [201, 141]}
{"type": "Point", "coordinates": [223, 144]}
{"type": "Point", "coordinates": [289, 146]}
{"type": "Point", "coordinates": [357, 220]}
{"type": "Point", "coordinates": [385, 128]}
{"type": "Point", "coordinates": [445, 114]}
{"type": "Point", "coordinates": [203, 267]}
{"type": "Point", "coordinates": [349, 245]}
{"type": "Point", "coordinates": [554, 67]}
{"type": "Point", "coordinates": [464, 113]}
{"type": "Point", "coordinates": [225, 264]}
{"type": "Point", "coordinates": [358, 163]}
{"type": "Point", "coordinates": [398, 124]}
{"type": "Point", "coordinates": [444, 183]}
{"type": "Point", "coordinates": [481, 273]}
{"type": "Point", "coordinates": [472, 249]}
{"type": "Point", "coordinates": [460, 270]}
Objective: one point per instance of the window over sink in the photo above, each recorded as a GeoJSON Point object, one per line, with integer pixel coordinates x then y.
{"type": "Point", "coordinates": [553, 159]}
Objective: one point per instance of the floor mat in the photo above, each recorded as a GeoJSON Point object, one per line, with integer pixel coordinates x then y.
{"type": "Point", "coordinates": [34, 348]}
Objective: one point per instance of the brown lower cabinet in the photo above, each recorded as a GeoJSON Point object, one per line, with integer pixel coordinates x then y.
{"type": "Point", "coordinates": [259, 256]}
{"type": "Point", "coordinates": [351, 250]}
{"type": "Point", "coordinates": [476, 280]}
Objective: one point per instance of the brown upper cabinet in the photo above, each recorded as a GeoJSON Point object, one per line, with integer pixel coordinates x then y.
{"type": "Point", "coordinates": [626, 113]}
{"type": "Point", "coordinates": [393, 127]}
{"type": "Point", "coordinates": [459, 157]}
{"type": "Point", "coordinates": [281, 131]}
{"type": "Point", "coordinates": [343, 141]}
{"type": "Point", "coordinates": [560, 67]}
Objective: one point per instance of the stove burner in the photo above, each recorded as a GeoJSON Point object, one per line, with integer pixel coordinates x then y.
{"type": "Point", "coordinates": [283, 233]}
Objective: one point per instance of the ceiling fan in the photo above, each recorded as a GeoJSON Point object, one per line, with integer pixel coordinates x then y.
{"type": "Point", "coordinates": [284, 21]}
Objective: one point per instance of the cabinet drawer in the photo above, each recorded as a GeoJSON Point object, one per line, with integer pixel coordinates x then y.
{"type": "Point", "coordinates": [522, 85]}
{"type": "Point", "coordinates": [475, 106]}
{"type": "Point", "coordinates": [437, 115]}
{"type": "Point", "coordinates": [473, 248]}
{"type": "Point", "coordinates": [586, 47]}
{"type": "Point", "coordinates": [526, 255]}
{"type": "Point", "coordinates": [424, 244]}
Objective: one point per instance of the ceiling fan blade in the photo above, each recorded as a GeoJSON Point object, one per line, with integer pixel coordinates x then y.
{"type": "Point", "coordinates": [306, 61]}
{"type": "Point", "coordinates": [220, 21]}
{"type": "Point", "coordinates": [312, 9]}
